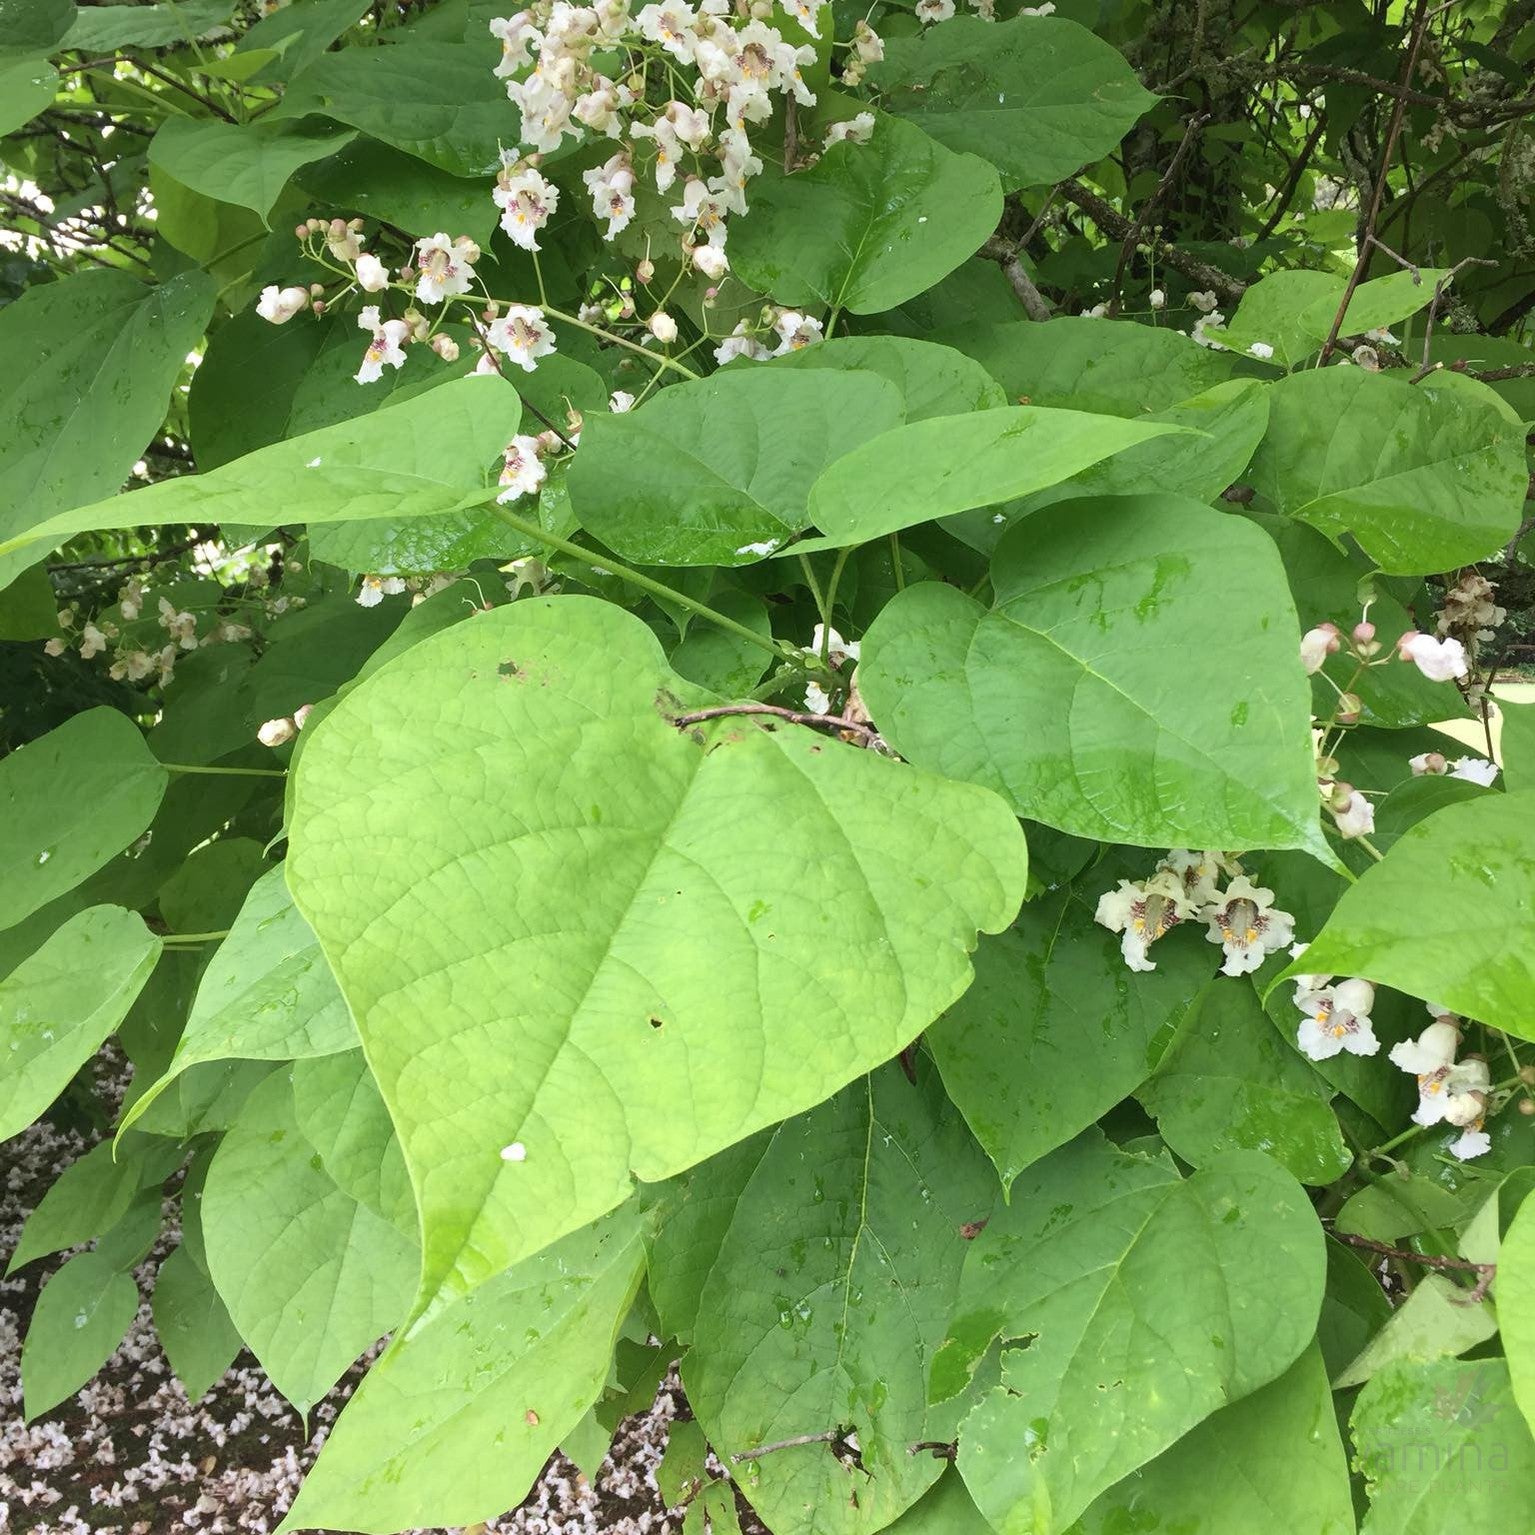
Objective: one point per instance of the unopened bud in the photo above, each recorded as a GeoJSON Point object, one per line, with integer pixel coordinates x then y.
{"type": "Point", "coordinates": [445, 347]}
{"type": "Point", "coordinates": [1350, 706]}
{"type": "Point", "coordinates": [1340, 794]}
{"type": "Point", "coordinates": [646, 270]}
{"type": "Point", "coordinates": [318, 306]}
{"type": "Point", "coordinates": [1364, 631]}
{"type": "Point", "coordinates": [275, 732]}
{"type": "Point", "coordinates": [662, 326]}
{"type": "Point", "coordinates": [1527, 1106]}
{"type": "Point", "coordinates": [301, 231]}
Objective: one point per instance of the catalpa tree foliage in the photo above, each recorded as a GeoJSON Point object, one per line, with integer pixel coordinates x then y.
{"type": "Point", "coordinates": [754, 683]}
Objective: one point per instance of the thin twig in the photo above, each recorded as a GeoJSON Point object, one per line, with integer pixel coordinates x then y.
{"type": "Point", "coordinates": [156, 557]}
{"type": "Point", "coordinates": [941, 1449]}
{"type": "Point", "coordinates": [1485, 1272]}
{"type": "Point", "coordinates": [527, 404]}
{"type": "Point", "coordinates": [1377, 195]}
{"type": "Point", "coordinates": [1035, 304]}
{"type": "Point", "coordinates": [832, 722]}
{"type": "Point", "coordinates": [828, 1437]}
{"type": "Point", "coordinates": [1287, 191]}
{"type": "Point", "coordinates": [1426, 367]}
{"type": "Point", "coordinates": [1162, 188]}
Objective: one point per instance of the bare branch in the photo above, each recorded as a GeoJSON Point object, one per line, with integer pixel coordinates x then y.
{"type": "Point", "coordinates": [1485, 1272]}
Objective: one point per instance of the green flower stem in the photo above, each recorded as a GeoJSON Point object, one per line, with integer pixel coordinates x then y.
{"type": "Point", "coordinates": [649, 584]}
{"type": "Point", "coordinates": [173, 938]}
{"type": "Point", "coordinates": [243, 772]}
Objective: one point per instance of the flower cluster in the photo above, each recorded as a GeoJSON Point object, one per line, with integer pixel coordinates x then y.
{"type": "Point", "coordinates": [1242, 918]}
{"type": "Point", "coordinates": [1449, 1091]}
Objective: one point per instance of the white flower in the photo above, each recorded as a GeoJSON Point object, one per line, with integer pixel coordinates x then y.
{"type": "Point", "coordinates": [1337, 1018]}
{"type": "Point", "coordinates": [838, 649]}
{"type": "Point", "coordinates": [275, 732]}
{"type": "Point", "coordinates": [612, 189]}
{"type": "Point", "coordinates": [678, 126]}
{"type": "Point", "coordinates": [737, 166]}
{"type": "Point", "coordinates": [522, 471]}
{"type": "Point", "coordinates": [130, 600]}
{"type": "Point", "coordinates": [133, 665]}
{"type": "Point", "coordinates": [446, 267]}
{"type": "Point", "coordinates": [1353, 815]}
{"type": "Point", "coordinates": [55, 647]}
{"type": "Point", "coordinates": [710, 260]}
{"type": "Point", "coordinates": [1475, 770]}
{"type": "Point", "coordinates": [1455, 1095]}
{"type": "Point", "coordinates": [1433, 1050]}
{"type": "Point", "coordinates": [740, 343]}
{"type": "Point", "coordinates": [522, 335]}
{"type": "Point", "coordinates": [181, 627]}
{"type": "Point", "coordinates": [1317, 644]}
{"type": "Point", "coordinates": [375, 588]}
{"type": "Point", "coordinates": [1157, 299]}
{"type": "Point", "coordinates": [929, 11]}
{"type": "Point", "coordinates": [1197, 334]}
{"type": "Point", "coordinates": [662, 326]}
{"type": "Point", "coordinates": [620, 401]}
{"type": "Point", "coordinates": [807, 13]}
{"type": "Point", "coordinates": [1047, 9]}
{"type": "Point", "coordinates": [817, 701]}
{"type": "Point", "coordinates": [1245, 922]}
{"type": "Point", "coordinates": [1429, 764]}
{"type": "Point", "coordinates": [526, 200]}
{"type": "Point", "coordinates": [1198, 873]}
{"type": "Point", "coordinates": [387, 345]}
{"type": "Point", "coordinates": [1143, 912]}
{"type": "Point", "coordinates": [702, 209]}
{"type": "Point", "coordinates": [515, 32]}
{"type": "Point", "coordinates": [1306, 982]}
{"type": "Point", "coordinates": [301, 715]}
{"type": "Point", "coordinates": [279, 305]}
{"type": "Point", "coordinates": [1261, 350]}
{"type": "Point", "coordinates": [601, 107]}
{"type": "Point", "coordinates": [372, 274]}
{"type": "Point", "coordinates": [671, 26]}
{"type": "Point", "coordinates": [1438, 660]}
{"type": "Point", "coordinates": [1380, 333]}
{"type": "Point", "coordinates": [867, 43]}
{"type": "Point", "coordinates": [1207, 303]}
{"type": "Point", "coordinates": [1470, 1143]}
{"type": "Point", "coordinates": [444, 346]}
{"type": "Point", "coordinates": [795, 331]}
{"type": "Point", "coordinates": [856, 130]}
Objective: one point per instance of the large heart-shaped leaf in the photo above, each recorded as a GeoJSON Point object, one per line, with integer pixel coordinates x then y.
{"type": "Point", "coordinates": [247, 164]}
{"type": "Point", "coordinates": [58, 1005]}
{"type": "Point", "coordinates": [1133, 1304]}
{"type": "Point", "coordinates": [310, 1276]}
{"type": "Point", "coordinates": [425, 457]}
{"type": "Point", "coordinates": [869, 225]}
{"type": "Point", "coordinates": [869, 1196]}
{"type": "Point", "coordinates": [267, 994]}
{"type": "Point", "coordinates": [1107, 603]}
{"type": "Point", "coordinates": [455, 1422]}
{"type": "Point", "coordinates": [713, 472]}
{"type": "Point", "coordinates": [1040, 98]}
{"type": "Point", "coordinates": [103, 352]}
{"type": "Point", "coordinates": [1478, 957]}
{"type": "Point", "coordinates": [934, 380]}
{"type": "Point", "coordinates": [1034, 986]}
{"type": "Point", "coordinates": [69, 802]}
{"type": "Point", "coordinates": [547, 905]}
{"type": "Point", "coordinates": [122, 24]}
{"type": "Point", "coordinates": [1426, 478]}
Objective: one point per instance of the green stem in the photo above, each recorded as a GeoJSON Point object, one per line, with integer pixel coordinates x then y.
{"type": "Point", "coordinates": [815, 588]}
{"type": "Point", "coordinates": [895, 562]}
{"type": "Point", "coordinates": [831, 596]}
{"type": "Point", "coordinates": [1369, 847]}
{"type": "Point", "coordinates": [187, 767]}
{"type": "Point", "coordinates": [643, 582]}
{"type": "Point", "coordinates": [193, 937]}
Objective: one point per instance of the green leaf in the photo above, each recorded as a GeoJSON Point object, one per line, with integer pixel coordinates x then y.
{"type": "Point", "coordinates": [1443, 1449]}
{"type": "Point", "coordinates": [947, 1510]}
{"type": "Point", "coordinates": [34, 26]}
{"type": "Point", "coordinates": [91, 1195]}
{"type": "Point", "coordinates": [1434, 1322]}
{"type": "Point", "coordinates": [1106, 602]}
{"type": "Point", "coordinates": [674, 914]}
{"type": "Point", "coordinates": [105, 351]}
{"type": "Point", "coordinates": [425, 457]}
{"type": "Point", "coordinates": [1354, 1309]}
{"type": "Point", "coordinates": [382, 183]}
{"type": "Point", "coordinates": [123, 24]}
{"type": "Point", "coordinates": [1040, 98]}
{"type": "Point", "coordinates": [243, 163]}
{"type": "Point", "coordinates": [28, 608]}
{"type": "Point", "coordinates": [869, 225]}
{"type": "Point", "coordinates": [267, 994]}
{"type": "Point", "coordinates": [1426, 478]}
{"type": "Point", "coordinates": [437, 101]}
{"type": "Point", "coordinates": [71, 800]}
{"type": "Point", "coordinates": [310, 1276]}
{"type": "Point", "coordinates": [300, 33]}
{"type": "Point", "coordinates": [1231, 1083]}
{"type": "Point", "coordinates": [28, 84]}
{"type": "Point", "coordinates": [1273, 1461]}
{"type": "Point", "coordinates": [1034, 986]}
{"type": "Point", "coordinates": [949, 464]}
{"type": "Point", "coordinates": [1114, 367]}
{"type": "Point", "coordinates": [81, 1316]}
{"type": "Point", "coordinates": [194, 1328]}
{"type": "Point", "coordinates": [715, 658]}
{"type": "Point", "coordinates": [59, 1003]}
{"type": "Point", "coordinates": [205, 894]}
{"type": "Point", "coordinates": [336, 1104]}
{"type": "Point", "coordinates": [1516, 1305]}
{"type": "Point", "coordinates": [1112, 1281]}
{"type": "Point", "coordinates": [706, 471]}
{"type": "Point", "coordinates": [1516, 745]}
{"type": "Point", "coordinates": [1293, 312]}
{"type": "Point", "coordinates": [1477, 957]}
{"type": "Point", "coordinates": [933, 380]}
{"type": "Point", "coordinates": [455, 1422]}
{"type": "Point", "coordinates": [830, 1292]}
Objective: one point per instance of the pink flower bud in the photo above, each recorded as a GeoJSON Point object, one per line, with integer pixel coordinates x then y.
{"type": "Point", "coordinates": [1364, 632]}
{"type": "Point", "coordinates": [1317, 644]}
{"type": "Point", "coordinates": [645, 270]}
{"type": "Point", "coordinates": [1350, 706]}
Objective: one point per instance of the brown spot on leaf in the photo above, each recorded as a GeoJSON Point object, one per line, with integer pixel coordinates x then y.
{"type": "Point", "coordinates": [972, 1229]}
